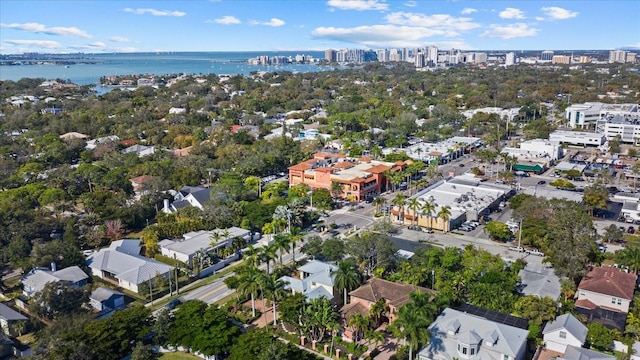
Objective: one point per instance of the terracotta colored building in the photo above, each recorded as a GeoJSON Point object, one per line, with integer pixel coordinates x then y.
{"type": "Point", "coordinates": [361, 178]}
{"type": "Point", "coordinates": [394, 294]}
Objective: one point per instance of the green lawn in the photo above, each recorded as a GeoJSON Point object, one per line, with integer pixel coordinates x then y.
{"type": "Point", "coordinates": [178, 356]}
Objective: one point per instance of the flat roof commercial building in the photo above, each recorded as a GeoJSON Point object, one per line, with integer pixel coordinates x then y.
{"type": "Point", "coordinates": [465, 196]}
{"type": "Point", "coordinates": [580, 138]}
{"type": "Point", "coordinates": [442, 151]}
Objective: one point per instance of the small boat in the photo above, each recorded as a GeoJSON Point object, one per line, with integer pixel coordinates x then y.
{"type": "Point", "coordinates": [67, 66]}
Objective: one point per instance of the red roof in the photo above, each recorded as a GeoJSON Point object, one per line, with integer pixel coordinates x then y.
{"type": "Point", "coordinates": [141, 179]}
{"type": "Point", "coordinates": [609, 281]}
{"type": "Point", "coordinates": [378, 169]}
{"type": "Point", "coordinates": [301, 166]}
{"type": "Point", "coordinates": [343, 165]}
{"type": "Point", "coordinates": [396, 294]}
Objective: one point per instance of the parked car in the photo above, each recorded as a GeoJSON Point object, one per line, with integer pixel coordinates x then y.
{"type": "Point", "coordinates": [465, 228]}
{"type": "Point", "coordinates": [541, 182]}
{"type": "Point", "coordinates": [172, 304]}
{"type": "Point", "coordinates": [413, 227]}
{"type": "Point", "coordinates": [631, 230]}
{"type": "Point", "coordinates": [535, 252]}
{"type": "Point", "coordinates": [461, 165]}
{"type": "Point", "coordinates": [428, 231]}
{"type": "Point", "coordinates": [516, 248]}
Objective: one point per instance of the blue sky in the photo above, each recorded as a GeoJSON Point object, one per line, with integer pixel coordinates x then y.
{"type": "Point", "coordinates": [278, 25]}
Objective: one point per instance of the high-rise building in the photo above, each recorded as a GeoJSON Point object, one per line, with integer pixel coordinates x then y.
{"type": "Point", "coordinates": [546, 55]}
{"type": "Point", "coordinates": [631, 57]}
{"type": "Point", "coordinates": [330, 55]}
{"type": "Point", "coordinates": [432, 56]}
{"type": "Point", "coordinates": [481, 58]}
{"type": "Point", "coordinates": [419, 60]}
{"type": "Point", "coordinates": [395, 55]}
{"type": "Point", "coordinates": [617, 56]}
{"type": "Point", "coordinates": [383, 55]}
{"type": "Point", "coordinates": [584, 59]}
{"type": "Point", "coordinates": [561, 59]}
{"type": "Point", "coordinates": [510, 59]}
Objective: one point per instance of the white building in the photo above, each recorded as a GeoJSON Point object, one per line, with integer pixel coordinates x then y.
{"type": "Point", "coordinates": [620, 121]}
{"type": "Point", "coordinates": [184, 249]}
{"type": "Point", "coordinates": [475, 333]}
{"type": "Point", "coordinates": [443, 151]}
{"type": "Point", "coordinates": [583, 115]}
{"type": "Point", "coordinates": [465, 196]}
{"type": "Point", "coordinates": [564, 331]}
{"type": "Point", "coordinates": [510, 114]}
{"type": "Point", "coordinates": [510, 59]}
{"type": "Point", "coordinates": [580, 138]}
{"type": "Point", "coordinates": [316, 280]}
{"type": "Point", "coordinates": [536, 150]}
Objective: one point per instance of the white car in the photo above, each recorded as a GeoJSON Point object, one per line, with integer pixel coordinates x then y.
{"type": "Point", "coordinates": [516, 248]}
{"type": "Point", "coordinates": [535, 252]}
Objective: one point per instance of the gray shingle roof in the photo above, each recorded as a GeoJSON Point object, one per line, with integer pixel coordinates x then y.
{"type": "Point", "coordinates": [101, 294]}
{"type": "Point", "coordinates": [576, 353]}
{"type": "Point", "coordinates": [569, 323]}
{"type": "Point", "coordinates": [35, 280]}
{"type": "Point", "coordinates": [8, 314]}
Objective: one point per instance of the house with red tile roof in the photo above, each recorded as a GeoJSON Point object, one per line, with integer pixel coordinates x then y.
{"type": "Point", "coordinates": [394, 294]}
{"type": "Point", "coordinates": [605, 294]}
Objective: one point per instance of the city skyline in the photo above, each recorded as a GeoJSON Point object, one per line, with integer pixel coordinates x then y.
{"type": "Point", "coordinates": [233, 25]}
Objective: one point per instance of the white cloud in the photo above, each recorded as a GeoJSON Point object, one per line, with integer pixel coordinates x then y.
{"type": "Point", "coordinates": [539, 18]}
{"type": "Point", "coordinates": [98, 44]}
{"type": "Point", "coordinates": [509, 31]}
{"type": "Point", "coordinates": [512, 13]}
{"type": "Point", "coordinates": [379, 35]}
{"type": "Point", "coordinates": [558, 13]}
{"type": "Point", "coordinates": [47, 44]}
{"type": "Point", "coordinates": [275, 22]}
{"type": "Point", "coordinates": [227, 20]}
{"type": "Point", "coordinates": [411, 3]}
{"type": "Point", "coordinates": [436, 21]}
{"type": "Point", "coordinates": [359, 5]}
{"type": "Point", "coordinates": [119, 39]}
{"type": "Point", "coordinates": [155, 12]}
{"type": "Point", "coordinates": [467, 11]}
{"type": "Point", "coordinates": [42, 29]}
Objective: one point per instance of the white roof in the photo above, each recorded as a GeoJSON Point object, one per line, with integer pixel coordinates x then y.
{"type": "Point", "coordinates": [126, 266]}
{"type": "Point", "coordinates": [569, 323]}
{"type": "Point", "coordinates": [37, 278]}
{"type": "Point", "coordinates": [197, 240]}
{"type": "Point", "coordinates": [508, 340]}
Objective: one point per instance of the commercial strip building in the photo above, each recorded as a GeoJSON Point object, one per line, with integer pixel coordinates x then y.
{"type": "Point", "coordinates": [442, 151]}
{"type": "Point", "coordinates": [361, 178]}
{"type": "Point", "coordinates": [534, 155]}
{"type": "Point", "coordinates": [465, 196]}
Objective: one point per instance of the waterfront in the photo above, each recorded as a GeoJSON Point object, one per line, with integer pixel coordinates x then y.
{"type": "Point", "coordinates": [156, 64]}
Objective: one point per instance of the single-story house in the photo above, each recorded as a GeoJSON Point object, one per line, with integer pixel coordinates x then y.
{"type": "Point", "coordinates": [140, 150]}
{"type": "Point", "coordinates": [184, 249]}
{"type": "Point", "coordinates": [103, 299]}
{"type": "Point", "coordinates": [122, 264]}
{"type": "Point", "coordinates": [35, 280]}
{"type": "Point", "coordinates": [8, 316]}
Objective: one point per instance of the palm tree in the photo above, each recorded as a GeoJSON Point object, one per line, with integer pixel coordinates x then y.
{"type": "Point", "coordinates": [294, 238]}
{"type": "Point", "coordinates": [413, 204]}
{"type": "Point", "coordinates": [252, 256]}
{"type": "Point", "coordinates": [268, 253]}
{"type": "Point", "coordinates": [444, 214]}
{"type": "Point", "coordinates": [274, 289]}
{"type": "Point", "coordinates": [413, 327]}
{"type": "Point", "coordinates": [399, 201]}
{"type": "Point", "coordinates": [347, 277]}
{"type": "Point", "coordinates": [635, 170]}
{"type": "Point", "coordinates": [379, 202]}
{"type": "Point", "coordinates": [378, 309]}
{"type": "Point", "coordinates": [281, 243]}
{"type": "Point", "coordinates": [318, 316]}
{"type": "Point", "coordinates": [428, 208]}
{"type": "Point", "coordinates": [630, 256]}
{"type": "Point", "coordinates": [249, 283]}
{"type": "Point", "coordinates": [358, 323]}
{"type": "Point", "coordinates": [374, 337]}
{"type": "Point", "coordinates": [336, 189]}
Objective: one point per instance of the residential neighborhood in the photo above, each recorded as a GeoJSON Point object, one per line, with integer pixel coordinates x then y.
{"type": "Point", "coordinates": [375, 212]}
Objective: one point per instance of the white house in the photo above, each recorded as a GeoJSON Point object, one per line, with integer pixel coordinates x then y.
{"type": "Point", "coordinates": [9, 316]}
{"type": "Point", "coordinates": [35, 280]}
{"type": "Point", "coordinates": [122, 264]}
{"type": "Point", "coordinates": [563, 331]}
{"type": "Point", "coordinates": [468, 333]}
{"type": "Point", "coordinates": [184, 249]}
{"type": "Point", "coordinates": [316, 280]}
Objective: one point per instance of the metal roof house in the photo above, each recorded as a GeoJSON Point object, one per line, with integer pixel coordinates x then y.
{"type": "Point", "coordinates": [35, 280]}
{"type": "Point", "coordinates": [122, 264]}
{"type": "Point", "coordinates": [184, 249]}
{"type": "Point", "coordinates": [472, 335]}
{"type": "Point", "coordinates": [316, 280]}
{"type": "Point", "coordinates": [106, 300]}
{"type": "Point", "coordinates": [8, 316]}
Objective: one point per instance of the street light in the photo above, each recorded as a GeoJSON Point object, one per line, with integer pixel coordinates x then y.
{"type": "Point", "coordinates": [520, 231]}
